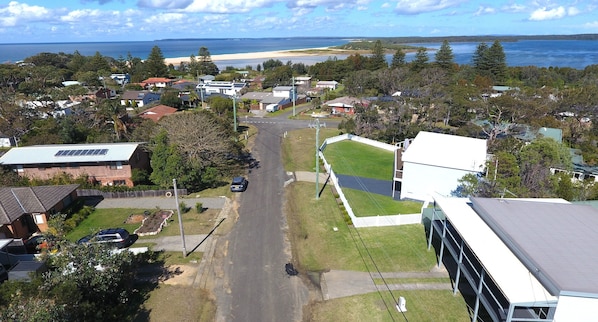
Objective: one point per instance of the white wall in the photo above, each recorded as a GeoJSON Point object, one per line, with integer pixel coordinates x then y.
{"type": "Point", "coordinates": [420, 181]}
{"type": "Point", "coordinates": [374, 221]}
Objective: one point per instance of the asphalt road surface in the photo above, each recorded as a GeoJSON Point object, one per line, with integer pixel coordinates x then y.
{"type": "Point", "coordinates": [259, 287]}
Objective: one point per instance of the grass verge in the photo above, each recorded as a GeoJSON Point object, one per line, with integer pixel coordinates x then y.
{"type": "Point", "coordinates": [299, 148]}
{"type": "Point", "coordinates": [422, 306]}
{"type": "Point", "coordinates": [320, 248]}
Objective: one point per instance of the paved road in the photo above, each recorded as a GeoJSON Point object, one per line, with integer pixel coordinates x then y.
{"type": "Point", "coordinates": [258, 287]}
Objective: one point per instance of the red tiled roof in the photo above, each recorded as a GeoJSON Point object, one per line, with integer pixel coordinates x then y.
{"type": "Point", "coordinates": [153, 80]}
{"type": "Point", "coordinates": [157, 112]}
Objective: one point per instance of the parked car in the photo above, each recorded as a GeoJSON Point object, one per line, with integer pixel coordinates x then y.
{"type": "Point", "coordinates": [38, 243]}
{"type": "Point", "coordinates": [116, 237]}
{"type": "Point", "coordinates": [239, 184]}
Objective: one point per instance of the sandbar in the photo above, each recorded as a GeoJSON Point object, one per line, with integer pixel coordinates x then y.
{"type": "Point", "coordinates": [264, 55]}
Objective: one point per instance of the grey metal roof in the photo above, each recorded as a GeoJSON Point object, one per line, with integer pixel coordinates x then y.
{"type": "Point", "coordinates": [16, 201]}
{"type": "Point", "coordinates": [47, 154]}
{"type": "Point", "coordinates": [555, 241]}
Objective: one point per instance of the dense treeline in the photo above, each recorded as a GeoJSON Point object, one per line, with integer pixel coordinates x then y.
{"type": "Point", "coordinates": [435, 94]}
{"type": "Point", "coordinates": [439, 95]}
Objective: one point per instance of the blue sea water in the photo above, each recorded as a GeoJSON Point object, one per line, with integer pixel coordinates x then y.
{"type": "Point", "coordinates": [542, 53]}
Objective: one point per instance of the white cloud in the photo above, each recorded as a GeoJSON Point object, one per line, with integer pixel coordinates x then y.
{"type": "Point", "coordinates": [591, 25]}
{"type": "Point", "coordinates": [573, 11]}
{"type": "Point", "coordinates": [81, 15]}
{"type": "Point", "coordinates": [484, 11]}
{"type": "Point", "coordinates": [386, 5]}
{"type": "Point", "coordinates": [422, 6]}
{"type": "Point", "coordinates": [165, 18]}
{"type": "Point", "coordinates": [514, 7]}
{"type": "Point", "coordinates": [227, 6]}
{"type": "Point", "coordinates": [165, 4]}
{"type": "Point", "coordinates": [16, 12]}
{"type": "Point", "coordinates": [546, 14]}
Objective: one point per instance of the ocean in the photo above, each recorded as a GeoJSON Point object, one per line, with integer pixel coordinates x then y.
{"type": "Point", "coordinates": [541, 53]}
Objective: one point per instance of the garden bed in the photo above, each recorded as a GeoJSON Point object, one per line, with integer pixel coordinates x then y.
{"type": "Point", "coordinates": [153, 223]}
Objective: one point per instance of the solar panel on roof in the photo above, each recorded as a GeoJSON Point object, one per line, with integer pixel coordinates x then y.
{"type": "Point", "coordinates": [81, 152]}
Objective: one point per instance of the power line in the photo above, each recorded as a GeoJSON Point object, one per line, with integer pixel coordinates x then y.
{"type": "Point", "coordinates": [366, 266]}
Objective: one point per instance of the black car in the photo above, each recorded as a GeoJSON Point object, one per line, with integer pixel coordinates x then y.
{"type": "Point", "coordinates": [116, 237]}
{"type": "Point", "coordinates": [239, 184]}
{"type": "Point", "coordinates": [38, 243]}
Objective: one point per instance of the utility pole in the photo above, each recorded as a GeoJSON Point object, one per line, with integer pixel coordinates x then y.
{"type": "Point", "coordinates": [317, 159]}
{"type": "Point", "coordinates": [234, 107]}
{"type": "Point", "coordinates": [293, 84]}
{"type": "Point", "coordinates": [178, 210]}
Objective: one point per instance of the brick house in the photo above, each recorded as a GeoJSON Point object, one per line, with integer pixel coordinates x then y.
{"type": "Point", "coordinates": [105, 163]}
{"type": "Point", "coordinates": [26, 210]}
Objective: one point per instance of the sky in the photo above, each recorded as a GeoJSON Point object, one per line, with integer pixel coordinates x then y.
{"type": "Point", "coordinates": [40, 21]}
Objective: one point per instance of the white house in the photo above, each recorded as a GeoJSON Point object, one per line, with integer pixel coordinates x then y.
{"type": "Point", "coordinates": [289, 92]}
{"type": "Point", "coordinates": [327, 84]}
{"type": "Point", "coordinates": [520, 259]}
{"type": "Point", "coordinates": [220, 87]}
{"type": "Point", "coordinates": [434, 162]}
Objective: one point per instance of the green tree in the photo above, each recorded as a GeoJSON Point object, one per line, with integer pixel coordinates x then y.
{"type": "Point", "coordinates": [171, 98]}
{"type": "Point", "coordinates": [206, 65]}
{"type": "Point", "coordinates": [154, 65]}
{"type": "Point", "coordinates": [480, 58]}
{"type": "Point", "coordinates": [398, 59]}
{"type": "Point", "coordinates": [444, 56]}
{"type": "Point", "coordinates": [498, 61]}
{"type": "Point", "coordinates": [92, 281]}
{"type": "Point", "coordinates": [377, 60]}
{"type": "Point", "coordinates": [421, 60]}
{"type": "Point", "coordinates": [535, 161]}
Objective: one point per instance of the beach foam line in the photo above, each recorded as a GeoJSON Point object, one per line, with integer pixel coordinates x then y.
{"type": "Point", "coordinates": [253, 55]}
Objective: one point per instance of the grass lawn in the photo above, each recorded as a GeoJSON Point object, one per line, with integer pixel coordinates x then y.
{"type": "Point", "coordinates": [422, 306]}
{"type": "Point", "coordinates": [193, 223]}
{"type": "Point", "coordinates": [319, 247]}
{"type": "Point", "coordinates": [371, 204]}
{"type": "Point", "coordinates": [299, 148]}
{"type": "Point", "coordinates": [359, 159]}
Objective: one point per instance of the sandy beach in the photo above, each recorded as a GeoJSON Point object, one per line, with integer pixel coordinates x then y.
{"type": "Point", "coordinates": [261, 55]}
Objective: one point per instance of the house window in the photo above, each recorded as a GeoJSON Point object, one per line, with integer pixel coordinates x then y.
{"type": "Point", "coordinates": [74, 166]}
{"type": "Point", "coordinates": [116, 165]}
{"type": "Point", "coordinates": [119, 182]}
{"type": "Point", "coordinates": [20, 169]}
{"type": "Point", "coordinates": [38, 218]}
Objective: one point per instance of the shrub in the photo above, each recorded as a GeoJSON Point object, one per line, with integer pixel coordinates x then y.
{"type": "Point", "coordinates": [183, 207]}
{"type": "Point", "coordinates": [199, 207]}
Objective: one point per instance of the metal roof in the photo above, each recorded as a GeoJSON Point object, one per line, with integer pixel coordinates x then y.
{"type": "Point", "coordinates": [447, 151]}
{"type": "Point", "coordinates": [508, 272]}
{"type": "Point", "coordinates": [556, 241]}
{"type": "Point", "coordinates": [47, 154]}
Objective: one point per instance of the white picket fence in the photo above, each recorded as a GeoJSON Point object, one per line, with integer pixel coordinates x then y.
{"type": "Point", "coordinates": [371, 221]}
